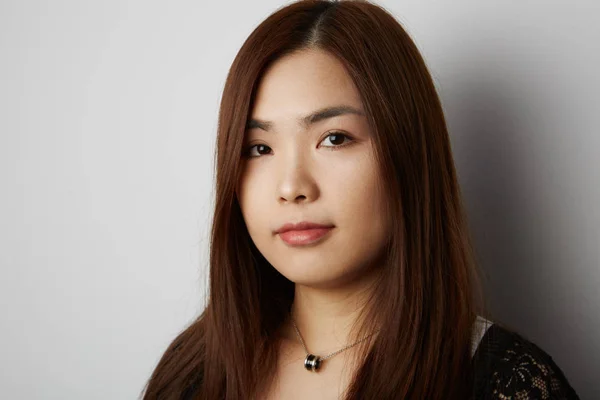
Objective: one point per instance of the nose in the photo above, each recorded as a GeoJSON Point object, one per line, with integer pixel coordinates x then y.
{"type": "Point", "coordinates": [296, 183]}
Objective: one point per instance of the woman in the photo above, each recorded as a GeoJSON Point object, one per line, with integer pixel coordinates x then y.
{"type": "Point", "coordinates": [341, 265]}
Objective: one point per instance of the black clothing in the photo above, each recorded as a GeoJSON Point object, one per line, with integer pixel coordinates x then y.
{"type": "Point", "coordinates": [507, 366]}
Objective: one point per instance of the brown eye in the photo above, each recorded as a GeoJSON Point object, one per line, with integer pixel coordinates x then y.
{"type": "Point", "coordinates": [257, 150]}
{"type": "Point", "coordinates": [336, 139]}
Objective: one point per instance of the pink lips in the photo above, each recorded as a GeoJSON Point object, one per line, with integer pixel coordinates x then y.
{"type": "Point", "coordinates": [303, 233]}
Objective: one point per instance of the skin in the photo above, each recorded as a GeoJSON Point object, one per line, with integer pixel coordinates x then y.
{"type": "Point", "coordinates": [295, 171]}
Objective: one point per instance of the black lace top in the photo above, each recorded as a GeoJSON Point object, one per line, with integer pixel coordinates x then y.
{"type": "Point", "coordinates": [508, 366]}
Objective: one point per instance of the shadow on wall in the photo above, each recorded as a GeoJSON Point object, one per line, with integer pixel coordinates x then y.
{"type": "Point", "coordinates": [523, 234]}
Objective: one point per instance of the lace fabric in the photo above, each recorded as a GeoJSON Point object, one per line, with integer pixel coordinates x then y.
{"type": "Point", "coordinates": [508, 366]}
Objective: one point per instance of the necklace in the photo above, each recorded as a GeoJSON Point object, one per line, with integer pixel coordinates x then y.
{"type": "Point", "coordinates": [313, 362]}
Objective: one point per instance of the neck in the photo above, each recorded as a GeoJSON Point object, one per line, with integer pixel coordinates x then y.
{"type": "Point", "coordinates": [325, 317]}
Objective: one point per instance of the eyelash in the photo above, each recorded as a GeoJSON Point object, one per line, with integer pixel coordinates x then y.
{"type": "Point", "coordinates": [248, 149]}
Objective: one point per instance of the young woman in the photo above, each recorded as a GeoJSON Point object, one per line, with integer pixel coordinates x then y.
{"type": "Point", "coordinates": [340, 263]}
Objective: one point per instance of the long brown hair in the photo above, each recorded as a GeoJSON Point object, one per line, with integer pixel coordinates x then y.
{"type": "Point", "coordinates": [428, 294]}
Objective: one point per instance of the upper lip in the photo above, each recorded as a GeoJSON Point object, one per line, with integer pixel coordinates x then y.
{"type": "Point", "coordinates": [301, 226]}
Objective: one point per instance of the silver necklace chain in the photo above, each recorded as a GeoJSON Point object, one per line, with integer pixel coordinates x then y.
{"type": "Point", "coordinates": [313, 362]}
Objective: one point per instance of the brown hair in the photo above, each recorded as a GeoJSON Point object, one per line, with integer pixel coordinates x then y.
{"type": "Point", "coordinates": [428, 294]}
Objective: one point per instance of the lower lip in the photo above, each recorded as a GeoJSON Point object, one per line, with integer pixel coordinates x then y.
{"type": "Point", "coordinates": [308, 236]}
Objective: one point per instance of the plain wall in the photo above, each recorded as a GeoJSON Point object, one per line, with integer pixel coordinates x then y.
{"type": "Point", "coordinates": [108, 114]}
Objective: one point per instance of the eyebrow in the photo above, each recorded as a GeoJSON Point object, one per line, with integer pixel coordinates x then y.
{"type": "Point", "coordinates": [310, 119]}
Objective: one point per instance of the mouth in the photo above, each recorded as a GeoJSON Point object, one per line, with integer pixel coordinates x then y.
{"type": "Point", "coordinates": [304, 236]}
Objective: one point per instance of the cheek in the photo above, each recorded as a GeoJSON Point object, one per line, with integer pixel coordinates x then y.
{"type": "Point", "coordinates": [253, 202]}
{"type": "Point", "coordinates": [359, 186]}
{"type": "Point", "coordinates": [246, 184]}
{"type": "Point", "coordinates": [364, 204]}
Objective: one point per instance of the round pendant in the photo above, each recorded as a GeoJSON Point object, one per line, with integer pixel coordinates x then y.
{"type": "Point", "coordinates": [312, 362]}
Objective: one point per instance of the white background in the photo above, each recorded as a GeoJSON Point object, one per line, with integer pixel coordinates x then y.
{"type": "Point", "coordinates": [108, 114]}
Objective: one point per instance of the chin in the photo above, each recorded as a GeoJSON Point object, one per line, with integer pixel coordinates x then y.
{"type": "Point", "coordinates": [319, 277]}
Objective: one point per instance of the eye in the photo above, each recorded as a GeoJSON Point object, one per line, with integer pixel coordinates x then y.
{"type": "Point", "coordinates": [337, 139]}
{"type": "Point", "coordinates": [257, 150]}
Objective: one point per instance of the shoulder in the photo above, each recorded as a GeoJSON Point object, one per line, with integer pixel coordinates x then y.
{"type": "Point", "coordinates": [506, 365]}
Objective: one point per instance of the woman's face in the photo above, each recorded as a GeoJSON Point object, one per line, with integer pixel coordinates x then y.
{"type": "Point", "coordinates": [309, 157]}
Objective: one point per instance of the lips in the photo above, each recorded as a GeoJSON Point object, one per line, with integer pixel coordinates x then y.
{"type": "Point", "coordinates": [303, 233]}
{"type": "Point", "coordinates": [301, 226]}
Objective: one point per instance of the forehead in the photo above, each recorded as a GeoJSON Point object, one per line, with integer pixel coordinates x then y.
{"type": "Point", "coordinates": [302, 82]}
